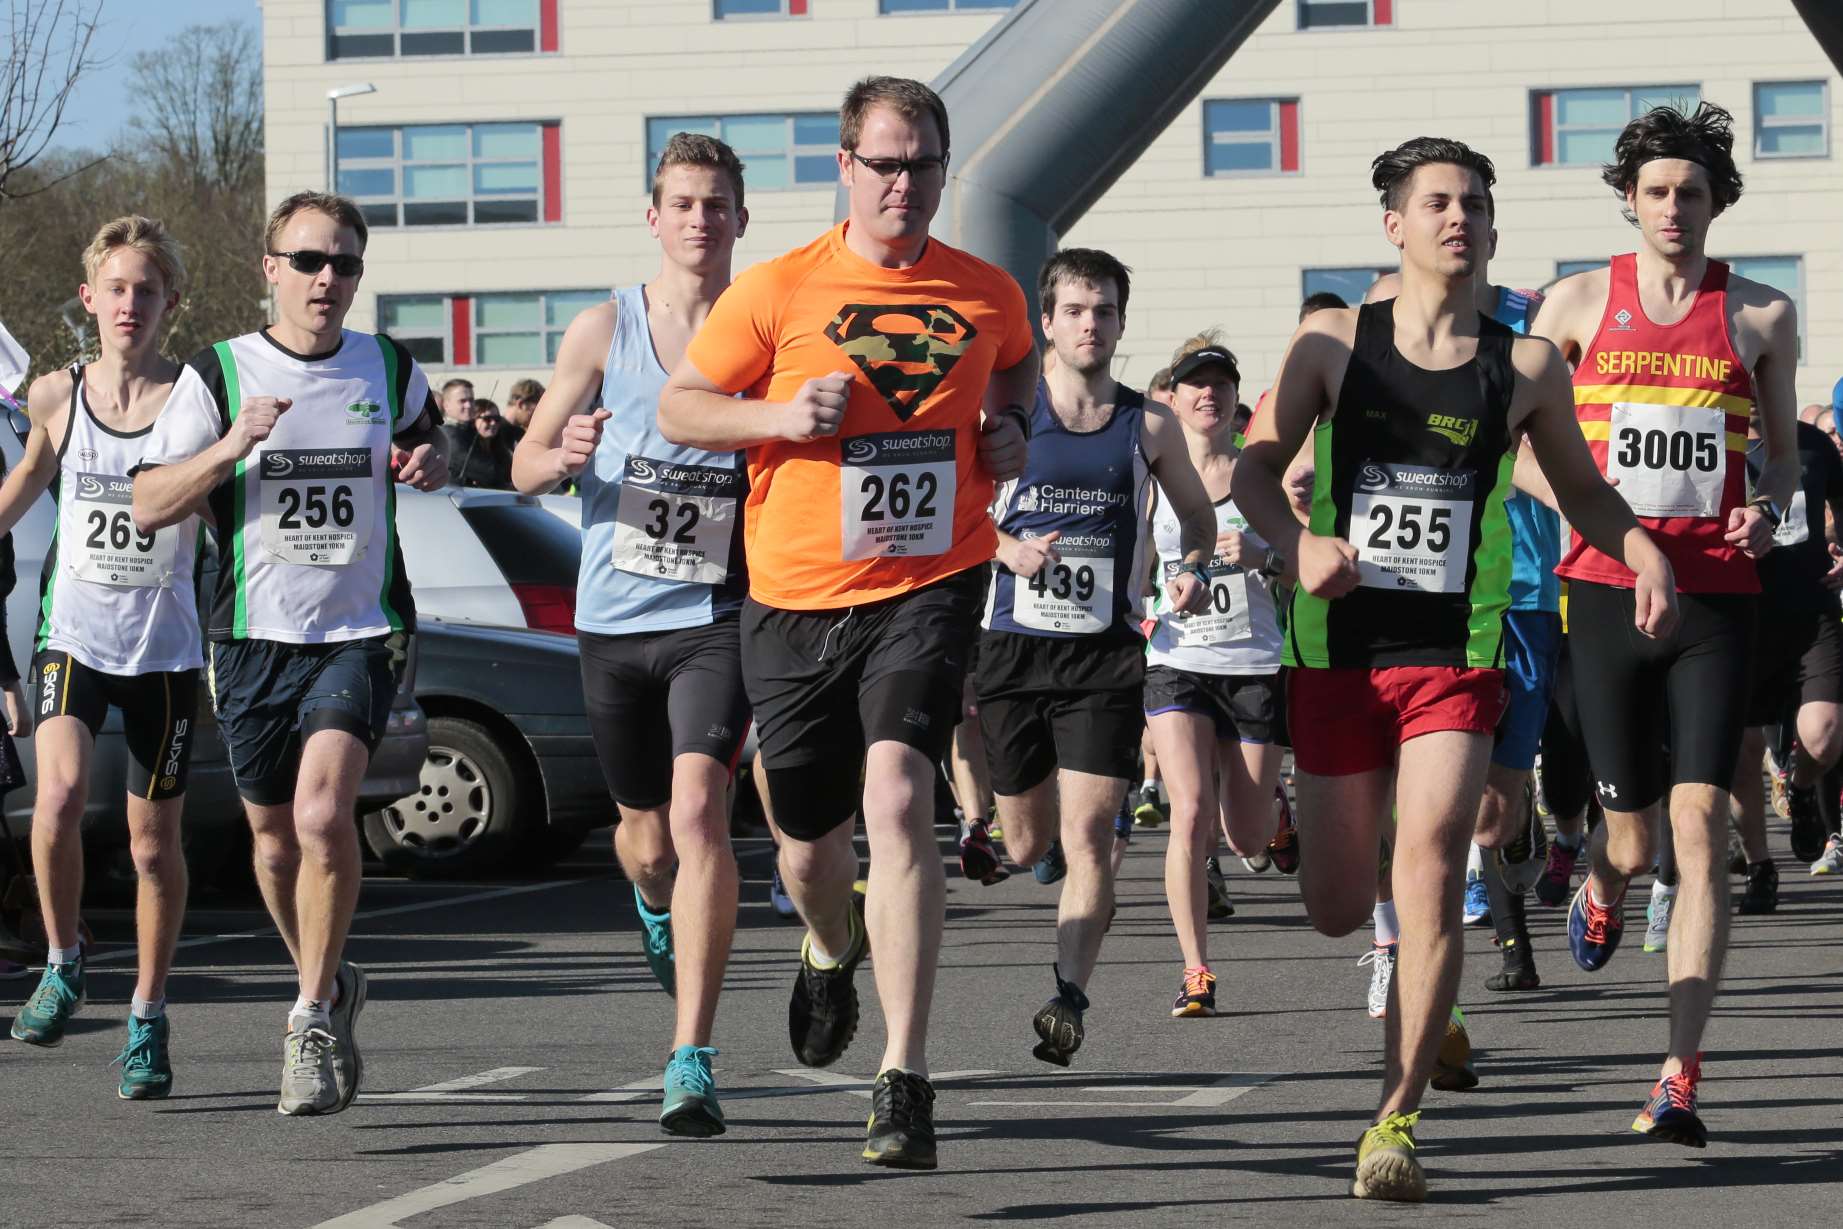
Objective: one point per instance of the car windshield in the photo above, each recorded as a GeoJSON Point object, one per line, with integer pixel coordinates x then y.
{"type": "Point", "coordinates": [530, 545]}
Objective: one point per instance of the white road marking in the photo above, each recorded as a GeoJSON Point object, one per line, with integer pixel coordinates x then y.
{"type": "Point", "coordinates": [475, 1081]}
{"type": "Point", "coordinates": [521, 1169]}
{"type": "Point", "coordinates": [639, 1090]}
{"type": "Point", "coordinates": [1205, 1096]}
{"type": "Point", "coordinates": [574, 1222]}
{"type": "Point", "coordinates": [129, 952]}
{"type": "Point", "coordinates": [859, 1086]}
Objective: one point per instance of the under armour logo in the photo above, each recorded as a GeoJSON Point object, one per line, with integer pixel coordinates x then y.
{"type": "Point", "coordinates": [1607, 791]}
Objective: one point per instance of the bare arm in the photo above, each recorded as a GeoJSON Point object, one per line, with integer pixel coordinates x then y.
{"type": "Point", "coordinates": [1170, 463]}
{"type": "Point", "coordinates": [541, 461]}
{"type": "Point", "coordinates": [166, 494]}
{"type": "Point", "coordinates": [48, 405]}
{"type": "Point", "coordinates": [1775, 386]}
{"type": "Point", "coordinates": [1529, 478]}
{"type": "Point", "coordinates": [694, 411]}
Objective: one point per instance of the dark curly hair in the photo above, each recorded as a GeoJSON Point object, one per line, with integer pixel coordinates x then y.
{"type": "Point", "coordinates": [1391, 173]}
{"type": "Point", "coordinates": [1705, 138]}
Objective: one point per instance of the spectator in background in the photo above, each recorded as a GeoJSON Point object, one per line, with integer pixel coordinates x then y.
{"type": "Point", "coordinates": [1319, 302]}
{"type": "Point", "coordinates": [1158, 388]}
{"type": "Point", "coordinates": [477, 452]}
{"type": "Point", "coordinates": [521, 403]}
{"type": "Point", "coordinates": [457, 400]}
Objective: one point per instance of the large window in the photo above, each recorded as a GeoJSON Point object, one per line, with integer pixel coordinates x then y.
{"type": "Point", "coordinates": [1791, 119]}
{"type": "Point", "coordinates": [778, 151]}
{"type": "Point", "coordinates": [368, 29]}
{"type": "Point", "coordinates": [1568, 268]}
{"type": "Point", "coordinates": [722, 10]}
{"type": "Point", "coordinates": [1782, 273]}
{"type": "Point", "coordinates": [1250, 136]}
{"type": "Point", "coordinates": [939, 6]}
{"type": "Point", "coordinates": [452, 174]}
{"type": "Point", "coordinates": [1317, 14]}
{"type": "Point", "coordinates": [1578, 127]}
{"type": "Point", "coordinates": [520, 329]}
{"type": "Point", "coordinates": [1349, 284]}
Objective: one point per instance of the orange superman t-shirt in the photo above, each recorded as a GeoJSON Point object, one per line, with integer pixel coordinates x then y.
{"type": "Point", "coordinates": [897, 499]}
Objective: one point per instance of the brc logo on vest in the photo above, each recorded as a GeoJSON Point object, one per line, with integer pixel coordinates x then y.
{"type": "Point", "coordinates": [1461, 431]}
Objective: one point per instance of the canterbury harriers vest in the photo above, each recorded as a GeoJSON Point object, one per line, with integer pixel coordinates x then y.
{"type": "Point", "coordinates": [1413, 468]}
{"type": "Point", "coordinates": [118, 600]}
{"type": "Point", "coordinates": [1665, 410]}
{"type": "Point", "coordinates": [661, 522]}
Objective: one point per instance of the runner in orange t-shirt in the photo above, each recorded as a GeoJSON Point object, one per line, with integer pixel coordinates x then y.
{"type": "Point", "coordinates": [884, 376]}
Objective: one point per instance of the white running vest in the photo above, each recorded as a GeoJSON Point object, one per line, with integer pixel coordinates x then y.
{"type": "Point", "coordinates": [1238, 634]}
{"type": "Point", "coordinates": [118, 600]}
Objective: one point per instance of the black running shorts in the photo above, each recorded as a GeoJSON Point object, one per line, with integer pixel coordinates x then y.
{"type": "Point", "coordinates": [1687, 691]}
{"type": "Point", "coordinates": [1047, 703]}
{"type": "Point", "coordinates": [272, 697]}
{"type": "Point", "coordinates": [826, 684]}
{"type": "Point", "coordinates": [654, 696]}
{"type": "Point", "coordinates": [1567, 779]}
{"type": "Point", "coordinates": [159, 715]}
{"type": "Point", "coordinates": [1248, 707]}
{"type": "Point", "coordinates": [1798, 660]}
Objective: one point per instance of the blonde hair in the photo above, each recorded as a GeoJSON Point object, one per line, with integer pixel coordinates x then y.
{"type": "Point", "coordinates": [143, 235]}
{"type": "Point", "coordinates": [1206, 340]}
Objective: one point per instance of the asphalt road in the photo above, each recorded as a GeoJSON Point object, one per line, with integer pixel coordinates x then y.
{"type": "Point", "coordinates": [514, 1038]}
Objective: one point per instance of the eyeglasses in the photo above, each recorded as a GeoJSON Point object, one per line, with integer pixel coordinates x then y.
{"type": "Point", "coordinates": [311, 262]}
{"type": "Point", "coordinates": [921, 170]}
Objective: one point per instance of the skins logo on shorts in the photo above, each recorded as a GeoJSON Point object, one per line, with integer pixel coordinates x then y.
{"type": "Point", "coordinates": [904, 349]}
{"type": "Point", "coordinates": [48, 688]}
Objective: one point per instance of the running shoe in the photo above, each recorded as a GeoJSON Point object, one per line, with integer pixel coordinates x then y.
{"type": "Point", "coordinates": [822, 1016]}
{"type": "Point", "coordinates": [1807, 825]}
{"type": "Point", "coordinates": [1522, 862]}
{"type": "Point", "coordinates": [348, 1066]}
{"type": "Point", "coordinates": [691, 1095]}
{"type": "Point", "coordinates": [1519, 971]}
{"type": "Point", "coordinates": [1197, 996]}
{"type": "Point", "coordinates": [900, 1133]}
{"type": "Point", "coordinates": [1657, 922]}
{"type": "Point", "coordinates": [1381, 961]}
{"type": "Point", "coordinates": [782, 903]}
{"type": "Point", "coordinates": [1832, 861]}
{"type": "Point", "coordinates": [1148, 812]}
{"type": "Point", "coordinates": [1781, 777]}
{"type": "Point", "coordinates": [59, 997]}
{"type": "Point", "coordinates": [308, 1085]}
{"type": "Point", "coordinates": [1386, 1165]}
{"type": "Point", "coordinates": [147, 1070]}
{"type": "Point", "coordinates": [1059, 1024]}
{"type": "Point", "coordinates": [1737, 855]}
{"type": "Point", "coordinates": [656, 930]}
{"type": "Point", "coordinates": [1761, 895]}
{"type": "Point", "coordinates": [1452, 1066]}
{"type": "Point", "coordinates": [1283, 850]}
{"type": "Point", "coordinates": [1052, 866]}
{"type": "Point", "coordinates": [993, 828]}
{"type": "Point", "coordinates": [1220, 906]}
{"type": "Point", "coordinates": [1670, 1114]}
{"type": "Point", "coordinates": [1594, 930]}
{"type": "Point", "coordinates": [1477, 901]}
{"type": "Point", "coordinates": [979, 858]}
{"type": "Point", "coordinates": [1259, 862]}
{"type": "Point", "coordinates": [1557, 874]}
{"type": "Point", "coordinates": [1123, 824]}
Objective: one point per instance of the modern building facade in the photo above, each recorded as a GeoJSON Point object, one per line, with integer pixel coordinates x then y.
{"type": "Point", "coordinates": [505, 156]}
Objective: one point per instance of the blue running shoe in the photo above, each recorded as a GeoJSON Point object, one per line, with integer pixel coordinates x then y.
{"type": "Point", "coordinates": [657, 930]}
{"type": "Point", "coordinates": [147, 1071]}
{"type": "Point", "coordinates": [691, 1095]}
{"type": "Point", "coordinates": [1052, 866]}
{"type": "Point", "coordinates": [1670, 1114]}
{"type": "Point", "coordinates": [59, 997]}
{"type": "Point", "coordinates": [1477, 902]}
{"type": "Point", "coordinates": [1594, 929]}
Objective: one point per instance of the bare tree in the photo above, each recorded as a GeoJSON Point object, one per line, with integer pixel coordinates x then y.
{"type": "Point", "coordinates": [201, 111]}
{"type": "Point", "coordinates": [48, 54]}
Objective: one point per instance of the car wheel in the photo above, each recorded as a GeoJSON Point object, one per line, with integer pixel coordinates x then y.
{"type": "Point", "coordinates": [466, 817]}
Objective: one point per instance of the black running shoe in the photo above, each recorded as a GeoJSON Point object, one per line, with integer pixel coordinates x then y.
{"type": "Point", "coordinates": [901, 1131]}
{"type": "Point", "coordinates": [1059, 1024]}
{"type": "Point", "coordinates": [1761, 895]}
{"type": "Point", "coordinates": [822, 1016]}
{"type": "Point", "coordinates": [1219, 905]}
{"type": "Point", "coordinates": [1284, 848]}
{"type": "Point", "coordinates": [1519, 972]}
{"type": "Point", "coordinates": [1807, 825]}
{"type": "Point", "coordinates": [979, 858]}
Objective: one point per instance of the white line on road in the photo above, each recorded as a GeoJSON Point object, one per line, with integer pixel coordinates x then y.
{"type": "Point", "coordinates": [1221, 1092]}
{"type": "Point", "coordinates": [533, 1165]}
{"type": "Point", "coordinates": [128, 952]}
{"type": "Point", "coordinates": [636, 1091]}
{"type": "Point", "coordinates": [860, 1086]}
{"type": "Point", "coordinates": [475, 1081]}
{"type": "Point", "coordinates": [574, 1222]}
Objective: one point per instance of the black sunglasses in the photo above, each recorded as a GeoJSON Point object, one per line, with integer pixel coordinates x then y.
{"type": "Point", "coordinates": [922, 170]}
{"type": "Point", "coordinates": [311, 262]}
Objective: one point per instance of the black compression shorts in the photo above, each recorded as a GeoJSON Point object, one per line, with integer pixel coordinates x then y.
{"type": "Point", "coordinates": [1053, 702]}
{"type": "Point", "coordinates": [159, 715]}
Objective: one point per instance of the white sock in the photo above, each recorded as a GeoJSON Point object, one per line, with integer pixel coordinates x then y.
{"type": "Point", "coordinates": [312, 1011]}
{"type": "Point", "coordinates": [1661, 890]}
{"type": "Point", "coordinates": [1148, 784]}
{"type": "Point", "coordinates": [1474, 863]}
{"type": "Point", "coordinates": [1388, 930]}
{"type": "Point", "coordinates": [63, 955]}
{"type": "Point", "coordinates": [147, 1009]}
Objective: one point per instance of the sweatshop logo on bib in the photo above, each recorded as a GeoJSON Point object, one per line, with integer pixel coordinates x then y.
{"type": "Point", "coordinates": [105, 488]}
{"type": "Point", "coordinates": [905, 349]}
{"type": "Point", "coordinates": [1420, 481]}
{"type": "Point", "coordinates": [899, 448]}
{"type": "Point", "coordinates": [310, 463]}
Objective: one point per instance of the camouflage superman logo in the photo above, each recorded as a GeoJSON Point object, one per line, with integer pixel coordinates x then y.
{"type": "Point", "coordinates": [905, 350]}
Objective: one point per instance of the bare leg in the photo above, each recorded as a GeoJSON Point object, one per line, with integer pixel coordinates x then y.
{"type": "Point", "coordinates": [1699, 922]}
{"type": "Point", "coordinates": [326, 889]}
{"type": "Point", "coordinates": [1749, 797]}
{"type": "Point", "coordinates": [278, 868]}
{"type": "Point", "coordinates": [1031, 821]}
{"type": "Point", "coordinates": [1189, 766]}
{"type": "Point", "coordinates": [1088, 806]}
{"type": "Point", "coordinates": [64, 749]}
{"type": "Point", "coordinates": [705, 895]}
{"type": "Point", "coordinates": [972, 784]}
{"type": "Point", "coordinates": [160, 889]}
{"type": "Point", "coordinates": [818, 876]}
{"type": "Point", "coordinates": [643, 846]}
{"type": "Point", "coordinates": [906, 901]}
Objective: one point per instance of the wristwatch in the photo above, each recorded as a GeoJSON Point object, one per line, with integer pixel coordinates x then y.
{"type": "Point", "coordinates": [1274, 566]}
{"type": "Point", "coordinates": [1769, 509]}
{"type": "Point", "coordinates": [1200, 572]}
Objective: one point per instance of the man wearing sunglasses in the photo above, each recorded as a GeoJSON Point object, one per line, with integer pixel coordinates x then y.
{"type": "Point", "coordinates": [290, 436]}
{"type": "Point", "coordinates": [884, 377]}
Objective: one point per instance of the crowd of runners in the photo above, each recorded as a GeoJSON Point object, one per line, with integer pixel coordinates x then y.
{"type": "Point", "coordinates": [860, 498]}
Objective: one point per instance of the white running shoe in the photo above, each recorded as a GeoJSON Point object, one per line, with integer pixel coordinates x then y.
{"type": "Point", "coordinates": [1381, 961]}
{"type": "Point", "coordinates": [1832, 861]}
{"type": "Point", "coordinates": [778, 897]}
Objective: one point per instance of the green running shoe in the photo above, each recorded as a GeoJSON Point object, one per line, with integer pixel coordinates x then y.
{"type": "Point", "coordinates": [147, 1071]}
{"type": "Point", "coordinates": [657, 931]}
{"type": "Point", "coordinates": [691, 1094]}
{"type": "Point", "coordinates": [59, 997]}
